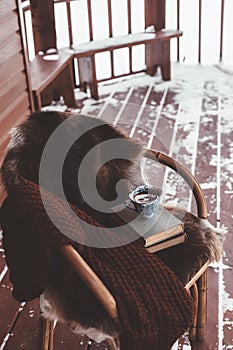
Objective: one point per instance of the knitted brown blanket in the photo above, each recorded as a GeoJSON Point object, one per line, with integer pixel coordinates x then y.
{"type": "Point", "coordinates": [154, 308]}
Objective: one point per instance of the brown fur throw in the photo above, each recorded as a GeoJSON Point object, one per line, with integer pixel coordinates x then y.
{"type": "Point", "coordinates": [204, 242]}
{"type": "Point", "coordinates": [154, 308]}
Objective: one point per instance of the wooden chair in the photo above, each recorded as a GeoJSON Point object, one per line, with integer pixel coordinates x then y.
{"type": "Point", "coordinates": [197, 286]}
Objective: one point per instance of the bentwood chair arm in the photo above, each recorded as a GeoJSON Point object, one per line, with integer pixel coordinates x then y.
{"type": "Point", "coordinates": [91, 280]}
{"type": "Point", "coordinates": [185, 173]}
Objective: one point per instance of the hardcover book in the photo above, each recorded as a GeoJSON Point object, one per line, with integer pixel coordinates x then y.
{"type": "Point", "coordinates": [170, 242]}
{"type": "Point", "coordinates": [161, 227]}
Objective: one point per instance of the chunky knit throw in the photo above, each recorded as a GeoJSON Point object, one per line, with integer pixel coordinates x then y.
{"type": "Point", "coordinates": [154, 308]}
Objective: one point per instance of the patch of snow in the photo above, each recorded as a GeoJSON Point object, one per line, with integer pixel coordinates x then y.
{"type": "Point", "coordinates": [135, 81]}
{"type": "Point", "coordinates": [51, 57]}
{"type": "Point", "coordinates": [80, 95]}
{"type": "Point", "coordinates": [150, 29]}
{"type": "Point", "coordinates": [208, 185]}
{"type": "Point", "coordinates": [227, 301]}
{"type": "Point", "coordinates": [55, 107]}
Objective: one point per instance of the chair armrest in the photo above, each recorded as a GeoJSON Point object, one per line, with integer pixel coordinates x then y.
{"type": "Point", "coordinates": [187, 176]}
{"type": "Point", "coordinates": [92, 281]}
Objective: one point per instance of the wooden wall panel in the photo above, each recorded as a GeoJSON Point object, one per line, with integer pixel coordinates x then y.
{"type": "Point", "coordinates": [12, 113]}
{"type": "Point", "coordinates": [6, 71]}
{"type": "Point", "coordinates": [10, 47]}
{"type": "Point", "coordinates": [14, 84]}
{"type": "Point", "coordinates": [6, 7]}
{"type": "Point", "coordinates": [16, 119]}
{"type": "Point", "coordinates": [9, 25]}
{"type": "Point", "coordinates": [10, 91]}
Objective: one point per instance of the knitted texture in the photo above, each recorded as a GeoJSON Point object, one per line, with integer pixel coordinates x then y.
{"type": "Point", "coordinates": [154, 308]}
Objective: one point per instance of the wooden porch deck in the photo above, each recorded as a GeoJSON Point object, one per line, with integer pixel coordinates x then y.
{"type": "Point", "coordinates": [191, 118]}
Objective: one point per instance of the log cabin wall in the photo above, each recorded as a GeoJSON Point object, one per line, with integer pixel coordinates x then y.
{"type": "Point", "coordinates": [15, 98]}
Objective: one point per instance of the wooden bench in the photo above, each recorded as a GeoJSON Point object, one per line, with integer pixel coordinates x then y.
{"type": "Point", "coordinates": [49, 77]}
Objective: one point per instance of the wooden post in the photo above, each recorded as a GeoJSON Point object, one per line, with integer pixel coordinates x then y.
{"type": "Point", "coordinates": [155, 12]}
{"type": "Point", "coordinates": [158, 54]}
{"type": "Point", "coordinates": [87, 75]}
{"type": "Point", "coordinates": [43, 24]}
{"type": "Point", "coordinates": [43, 21]}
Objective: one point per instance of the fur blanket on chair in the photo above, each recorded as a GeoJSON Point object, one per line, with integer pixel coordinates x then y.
{"type": "Point", "coordinates": [154, 308]}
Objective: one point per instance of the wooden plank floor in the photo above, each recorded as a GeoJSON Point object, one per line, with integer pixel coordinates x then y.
{"type": "Point", "coordinates": [190, 118]}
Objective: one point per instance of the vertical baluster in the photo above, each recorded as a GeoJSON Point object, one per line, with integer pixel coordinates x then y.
{"type": "Point", "coordinates": [200, 29]}
{"type": "Point", "coordinates": [110, 18]}
{"type": "Point", "coordinates": [221, 30]}
{"type": "Point", "coordinates": [178, 28]}
{"type": "Point", "coordinates": [110, 35]}
{"type": "Point", "coordinates": [129, 17]}
{"type": "Point", "coordinates": [129, 32]}
{"type": "Point", "coordinates": [90, 19]}
{"type": "Point", "coordinates": [69, 22]}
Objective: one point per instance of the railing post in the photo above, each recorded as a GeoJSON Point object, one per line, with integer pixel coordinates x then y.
{"type": "Point", "coordinates": [221, 29]}
{"type": "Point", "coordinates": [155, 13]}
{"type": "Point", "coordinates": [43, 20]}
{"type": "Point", "coordinates": [200, 31]}
{"type": "Point", "coordinates": [157, 54]}
{"type": "Point", "coordinates": [178, 28]}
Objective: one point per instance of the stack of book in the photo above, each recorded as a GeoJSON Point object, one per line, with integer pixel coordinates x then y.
{"type": "Point", "coordinates": [162, 231]}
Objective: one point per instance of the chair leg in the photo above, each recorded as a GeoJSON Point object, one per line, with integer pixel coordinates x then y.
{"type": "Point", "coordinates": [47, 335]}
{"type": "Point", "coordinates": [111, 344]}
{"type": "Point", "coordinates": [193, 328]}
{"type": "Point", "coordinates": [202, 306]}
{"type": "Point", "coordinates": [51, 331]}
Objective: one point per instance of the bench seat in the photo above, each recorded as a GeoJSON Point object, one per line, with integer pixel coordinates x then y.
{"type": "Point", "coordinates": [128, 40]}
{"type": "Point", "coordinates": [56, 76]}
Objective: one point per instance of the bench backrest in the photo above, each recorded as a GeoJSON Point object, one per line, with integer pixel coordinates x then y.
{"type": "Point", "coordinates": [44, 26]}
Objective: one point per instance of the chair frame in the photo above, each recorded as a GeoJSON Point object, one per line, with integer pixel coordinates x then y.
{"type": "Point", "coordinates": [197, 286]}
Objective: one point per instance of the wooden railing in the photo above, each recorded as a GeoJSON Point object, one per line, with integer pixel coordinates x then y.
{"type": "Point", "coordinates": [73, 37]}
{"type": "Point", "coordinates": [203, 15]}
{"type": "Point", "coordinates": [176, 12]}
{"type": "Point", "coordinates": [176, 15]}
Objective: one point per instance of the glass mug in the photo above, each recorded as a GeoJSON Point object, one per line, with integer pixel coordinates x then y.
{"type": "Point", "coordinates": [146, 200]}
